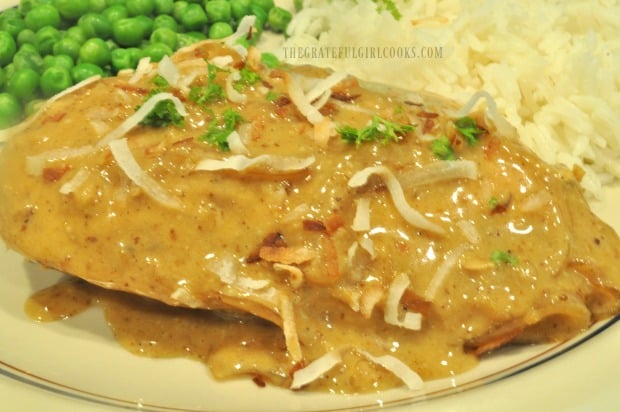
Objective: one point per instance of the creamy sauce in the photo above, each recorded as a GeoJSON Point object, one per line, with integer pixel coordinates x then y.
{"type": "Point", "coordinates": [220, 250]}
{"type": "Point", "coordinates": [231, 345]}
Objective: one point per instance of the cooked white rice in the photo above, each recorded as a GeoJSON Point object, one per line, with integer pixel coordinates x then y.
{"type": "Point", "coordinates": [553, 67]}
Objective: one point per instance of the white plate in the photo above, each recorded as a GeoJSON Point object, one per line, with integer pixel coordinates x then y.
{"type": "Point", "coordinates": [77, 365]}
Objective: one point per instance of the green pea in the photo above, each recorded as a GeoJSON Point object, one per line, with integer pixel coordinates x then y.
{"type": "Point", "coordinates": [10, 110]}
{"type": "Point", "coordinates": [33, 106]}
{"type": "Point", "coordinates": [76, 33]}
{"type": "Point", "coordinates": [72, 9]}
{"type": "Point", "coordinates": [165, 36]}
{"type": "Point", "coordinates": [189, 38]}
{"type": "Point", "coordinates": [194, 17]}
{"type": "Point", "coordinates": [266, 5]}
{"type": "Point", "coordinates": [147, 24]}
{"type": "Point", "coordinates": [13, 26]}
{"type": "Point", "coordinates": [61, 60]}
{"type": "Point", "coordinates": [45, 39]}
{"type": "Point", "coordinates": [26, 5]}
{"type": "Point", "coordinates": [26, 58]}
{"type": "Point", "coordinates": [95, 25]}
{"type": "Point", "coordinates": [165, 21]}
{"type": "Point", "coordinates": [83, 71]}
{"type": "Point", "coordinates": [30, 48]}
{"type": "Point", "coordinates": [125, 58]}
{"type": "Point", "coordinates": [278, 19]}
{"type": "Point", "coordinates": [54, 80]}
{"type": "Point", "coordinates": [12, 13]}
{"type": "Point", "coordinates": [239, 8]}
{"type": "Point", "coordinates": [128, 32]}
{"type": "Point", "coordinates": [114, 2]}
{"type": "Point", "coordinates": [96, 6]}
{"type": "Point", "coordinates": [95, 51]}
{"type": "Point", "coordinates": [25, 36]}
{"type": "Point", "coordinates": [115, 12]}
{"type": "Point", "coordinates": [261, 15]}
{"type": "Point", "coordinates": [218, 10]}
{"type": "Point", "coordinates": [42, 15]}
{"type": "Point", "coordinates": [8, 48]}
{"type": "Point", "coordinates": [9, 70]}
{"type": "Point", "coordinates": [24, 84]}
{"type": "Point", "coordinates": [140, 7]}
{"type": "Point", "coordinates": [178, 10]}
{"type": "Point", "coordinates": [219, 30]}
{"type": "Point", "coordinates": [163, 7]}
{"type": "Point", "coordinates": [67, 46]}
{"type": "Point", "coordinates": [2, 77]}
{"type": "Point", "coordinates": [156, 51]}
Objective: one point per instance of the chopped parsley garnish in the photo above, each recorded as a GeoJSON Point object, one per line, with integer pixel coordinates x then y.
{"type": "Point", "coordinates": [468, 128]}
{"type": "Point", "coordinates": [160, 82]}
{"type": "Point", "coordinates": [248, 78]}
{"type": "Point", "coordinates": [165, 112]}
{"type": "Point", "coordinates": [379, 129]}
{"type": "Point", "coordinates": [270, 60]}
{"type": "Point", "coordinates": [499, 257]}
{"type": "Point", "coordinates": [203, 95]}
{"type": "Point", "coordinates": [442, 148]}
{"type": "Point", "coordinates": [212, 92]}
{"type": "Point", "coordinates": [220, 129]}
{"type": "Point", "coordinates": [271, 96]}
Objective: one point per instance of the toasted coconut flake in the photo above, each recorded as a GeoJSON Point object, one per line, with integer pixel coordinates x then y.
{"type": "Point", "coordinates": [440, 171]}
{"type": "Point", "coordinates": [361, 220]}
{"type": "Point", "coordinates": [185, 297]}
{"type": "Point", "coordinates": [325, 363]}
{"type": "Point", "coordinates": [36, 163]}
{"type": "Point", "coordinates": [169, 71]}
{"type": "Point", "coordinates": [271, 164]}
{"type": "Point", "coordinates": [301, 101]}
{"type": "Point", "coordinates": [144, 67]}
{"type": "Point", "coordinates": [286, 255]}
{"type": "Point", "coordinates": [450, 261]}
{"type": "Point", "coordinates": [235, 143]}
{"type": "Point", "coordinates": [125, 160]}
{"type": "Point", "coordinates": [323, 131]}
{"type": "Point", "coordinates": [411, 215]}
{"type": "Point", "coordinates": [244, 28]}
{"type": "Point", "coordinates": [315, 369]}
{"type": "Point", "coordinates": [296, 275]}
{"type": "Point", "coordinates": [144, 110]}
{"type": "Point", "coordinates": [469, 230]}
{"type": "Point", "coordinates": [75, 182]}
{"type": "Point", "coordinates": [289, 328]}
{"type": "Point", "coordinates": [225, 270]}
{"type": "Point", "coordinates": [409, 377]}
{"type": "Point", "coordinates": [232, 94]}
{"type": "Point", "coordinates": [491, 113]}
{"type": "Point", "coordinates": [536, 201]}
{"type": "Point", "coordinates": [325, 85]}
{"type": "Point", "coordinates": [369, 246]}
{"type": "Point", "coordinates": [246, 283]}
{"type": "Point", "coordinates": [410, 320]}
{"type": "Point", "coordinates": [372, 294]}
{"type": "Point", "coordinates": [322, 100]}
{"type": "Point", "coordinates": [222, 62]}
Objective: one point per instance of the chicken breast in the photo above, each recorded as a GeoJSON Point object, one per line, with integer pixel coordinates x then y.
{"type": "Point", "coordinates": [387, 226]}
